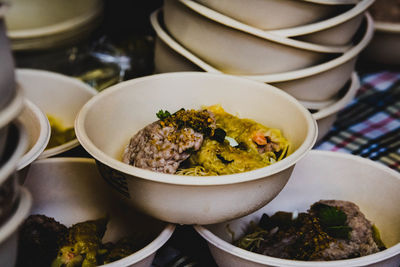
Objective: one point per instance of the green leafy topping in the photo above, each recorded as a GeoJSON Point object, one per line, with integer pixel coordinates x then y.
{"type": "Point", "coordinates": [333, 220]}
{"type": "Point", "coordinates": [162, 115]}
{"type": "Point", "coordinates": [377, 238]}
{"type": "Point", "coordinates": [219, 135]}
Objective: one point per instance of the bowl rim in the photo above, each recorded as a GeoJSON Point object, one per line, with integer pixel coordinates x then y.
{"type": "Point", "coordinates": [220, 18]}
{"type": "Point", "coordinates": [390, 27]}
{"type": "Point", "coordinates": [43, 139]}
{"type": "Point", "coordinates": [64, 26]}
{"type": "Point", "coordinates": [144, 252]}
{"type": "Point", "coordinates": [13, 109]}
{"type": "Point", "coordinates": [333, 2]}
{"type": "Point", "coordinates": [268, 78]}
{"type": "Point", "coordinates": [10, 226]}
{"type": "Point", "coordinates": [10, 165]}
{"type": "Point", "coordinates": [356, 10]}
{"type": "Point", "coordinates": [120, 166]}
{"type": "Point", "coordinates": [20, 72]}
{"type": "Point", "coordinates": [213, 239]}
{"type": "Point", "coordinates": [341, 102]}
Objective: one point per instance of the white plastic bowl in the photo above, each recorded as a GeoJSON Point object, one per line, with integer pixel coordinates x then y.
{"type": "Point", "coordinates": [7, 115]}
{"type": "Point", "coordinates": [106, 123]}
{"type": "Point", "coordinates": [57, 95]}
{"type": "Point", "coordinates": [236, 51]}
{"type": "Point", "coordinates": [276, 14]}
{"type": "Point", "coordinates": [317, 83]}
{"type": "Point", "coordinates": [323, 175]}
{"type": "Point", "coordinates": [384, 47]}
{"type": "Point", "coordinates": [44, 24]}
{"type": "Point", "coordinates": [78, 193]}
{"type": "Point", "coordinates": [17, 142]}
{"type": "Point", "coordinates": [38, 128]}
{"type": "Point", "coordinates": [9, 230]}
{"type": "Point", "coordinates": [327, 116]}
{"type": "Point", "coordinates": [338, 30]}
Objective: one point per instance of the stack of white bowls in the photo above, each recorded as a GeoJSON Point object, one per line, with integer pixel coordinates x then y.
{"type": "Point", "coordinates": [15, 201]}
{"type": "Point", "coordinates": [307, 48]}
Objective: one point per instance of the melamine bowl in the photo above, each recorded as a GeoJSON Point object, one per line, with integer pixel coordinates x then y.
{"type": "Point", "coordinates": [57, 95]}
{"type": "Point", "coordinates": [238, 51]}
{"type": "Point", "coordinates": [320, 175]}
{"type": "Point", "coordinates": [317, 83]}
{"type": "Point", "coordinates": [106, 123]}
{"type": "Point", "coordinates": [276, 14]}
{"type": "Point", "coordinates": [78, 193]}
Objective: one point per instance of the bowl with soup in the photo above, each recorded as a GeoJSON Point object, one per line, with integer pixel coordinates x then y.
{"type": "Point", "coordinates": [194, 147]}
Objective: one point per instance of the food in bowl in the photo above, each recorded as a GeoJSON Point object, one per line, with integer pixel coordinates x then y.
{"type": "Point", "coordinates": [330, 230]}
{"type": "Point", "coordinates": [59, 133]}
{"type": "Point", "coordinates": [45, 242]}
{"type": "Point", "coordinates": [204, 142]}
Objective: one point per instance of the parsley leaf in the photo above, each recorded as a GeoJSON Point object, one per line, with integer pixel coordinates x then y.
{"type": "Point", "coordinates": [162, 115]}
{"type": "Point", "coordinates": [332, 220]}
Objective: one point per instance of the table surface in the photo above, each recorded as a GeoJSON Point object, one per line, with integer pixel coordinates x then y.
{"type": "Point", "coordinates": [122, 48]}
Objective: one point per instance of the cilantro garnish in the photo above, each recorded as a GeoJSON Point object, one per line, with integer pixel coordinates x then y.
{"type": "Point", "coordinates": [162, 115]}
{"type": "Point", "coordinates": [333, 220]}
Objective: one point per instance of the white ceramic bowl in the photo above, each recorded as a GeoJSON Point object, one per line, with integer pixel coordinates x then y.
{"type": "Point", "coordinates": [323, 175]}
{"type": "Point", "coordinates": [236, 51]}
{"type": "Point", "coordinates": [38, 128]}
{"type": "Point", "coordinates": [338, 30]}
{"type": "Point", "coordinates": [44, 24]}
{"type": "Point", "coordinates": [317, 83]}
{"type": "Point", "coordinates": [57, 95]}
{"type": "Point", "coordinates": [106, 123]}
{"type": "Point", "coordinates": [7, 115]}
{"type": "Point", "coordinates": [383, 48]}
{"type": "Point", "coordinates": [78, 193]}
{"type": "Point", "coordinates": [276, 14]}
{"type": "Point", "coordinates": [9, 230]}
{"type": "Point", "coordinates": [7, 77]}
{"type": "Point", "coordinates": [17, 142]}
{"type": "Point", "coordinates": [327, 116]}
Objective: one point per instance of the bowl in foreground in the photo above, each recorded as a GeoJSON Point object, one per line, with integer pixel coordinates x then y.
{"type": "Point", "coordinates": [106, 123]}
{"type": "Point", "coordinates": [78, 193]}
{"type": "Point", "coordinates": [323, 175]}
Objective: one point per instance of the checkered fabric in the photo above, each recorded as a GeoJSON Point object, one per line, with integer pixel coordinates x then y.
{"type": "Point", "coordinates": [370, 125]}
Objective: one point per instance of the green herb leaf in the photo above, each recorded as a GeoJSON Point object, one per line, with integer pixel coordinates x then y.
{"type": "Point", "coordinates": [330, 216]}
{"type": "Point", "coordinates": [339, 231]}
{"type": "Point", "coordinates": [162, 115]}
{"type": "Point", "coordinates": [219, 135]}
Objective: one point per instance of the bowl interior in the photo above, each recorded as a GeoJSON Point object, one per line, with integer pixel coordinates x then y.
{"type": "Point", "coordinates": [57, 95]}
{"type": "Point", "coordinates": [333, 175]}
{"type": "Point", "coordinates": [117, 114]}
{"type": "Point", "coordinates": [78, 193]}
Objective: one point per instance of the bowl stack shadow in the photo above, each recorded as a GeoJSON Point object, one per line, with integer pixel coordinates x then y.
{"type": "Point", "coordinates": [309, 49]}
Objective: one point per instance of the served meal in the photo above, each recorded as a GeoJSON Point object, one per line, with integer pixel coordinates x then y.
{"type": "Point", "coordinates": [59, 134]}
{"type": "Point", "coordinates": [330, 230]}
{"type": "Point", "coordinates": [204, 142]}
{"type": "Point", "coordinates": [45, 242]}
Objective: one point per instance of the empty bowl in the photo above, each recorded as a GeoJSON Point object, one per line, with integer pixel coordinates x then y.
{"type": "Point", "coordinates": [56, 95]}
{"type": "Point", "coordinates": [47, 24]}
{"type": "Point", "coordinates": [78, 193]}
{"type": "Point", "coordinates": [239, 52]}
{"type": "Point", "coordinates": [317, 83]}
{"type": "Point", "coordinates": [276, 14]}
{"type": "Point", "coordinates": [322, 175]}
{"type": "Point", "coordinates": [104, 128]}
{"type": "Point", "coordinates": [9, 230]}
{"type": "Point", "coordinates": [17, 142]}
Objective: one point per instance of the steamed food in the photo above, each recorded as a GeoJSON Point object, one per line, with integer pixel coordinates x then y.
{"type": "Point", "coordinates": [45, 242]}
{"type": "Point", "coordinates": [59, 134]}
{"type": "Point", "coordinates": [203, 142]}
{"type": "Point", "coordinates": [330, 230]}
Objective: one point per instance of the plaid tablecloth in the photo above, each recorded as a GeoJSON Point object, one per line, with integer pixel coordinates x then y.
{"type": "Point", "coordinates": [370, 125]}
